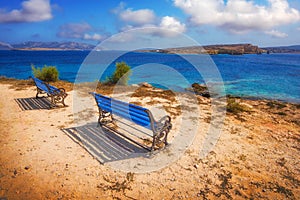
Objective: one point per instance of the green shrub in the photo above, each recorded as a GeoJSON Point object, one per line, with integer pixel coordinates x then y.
{"type": "Point", "coordinates": [120, 75]}
{"type": "Point", "coordinates": [235, 107]}
{"type": "Point", "coordinates": [47, 73]}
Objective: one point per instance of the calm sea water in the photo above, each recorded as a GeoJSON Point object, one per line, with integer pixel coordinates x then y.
{"type": "Point", "coordinates": [273, 76]}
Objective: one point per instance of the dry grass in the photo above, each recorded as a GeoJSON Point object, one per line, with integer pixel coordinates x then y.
{"type": "Point", "coordinates": [16, 84]}
{"type": "Point", "coordinates": [68, 86]}
{"type": "Point", "coordinates": [144, 92]}
{"type": "Point", "coordinates": [150, 92]}
{"type": "Point", "coordinates": [24, 84]}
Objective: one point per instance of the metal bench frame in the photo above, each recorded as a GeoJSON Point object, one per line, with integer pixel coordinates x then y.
{"type": "Point", "coordinates": [160, 128]}
{"type": "Point", "coordinates": [57, 95]}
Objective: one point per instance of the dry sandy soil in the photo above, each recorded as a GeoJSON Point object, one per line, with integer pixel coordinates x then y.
{"type": "Point", "coordinates": [256, 157]}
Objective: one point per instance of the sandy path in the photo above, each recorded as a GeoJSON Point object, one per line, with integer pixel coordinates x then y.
{"type": "Point", "coordinates": [258, 158]}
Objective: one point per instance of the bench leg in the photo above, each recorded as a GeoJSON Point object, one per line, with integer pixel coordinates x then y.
{"type": "Point", "coordinates": [63, 101]}
{"type": "Point", "coordinates": [52, 104]}
{"type": "Point", "coordinates": [104, 118]}
{"type": "Point", "coordinates": [58, 98]}
{"type": "Point", "coordinates": [99, 121]}
{"type": "Point", "coordinates": [165, 139]}
{"type": "Point", "coordinates": [153, 143]}
{"type": "Point", "coordinates": [162, 136]}
{"type": "Point", "coordinates": [38, 91]}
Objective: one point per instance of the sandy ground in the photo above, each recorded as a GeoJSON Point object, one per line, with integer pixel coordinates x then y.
{"type": "Point", "coordinates": [256, 157]}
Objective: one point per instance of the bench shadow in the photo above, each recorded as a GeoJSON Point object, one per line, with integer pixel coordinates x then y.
{"type": "Point", "coordinates": [33, 103]}
{"type": "Point", "coordinates": [104, 144]}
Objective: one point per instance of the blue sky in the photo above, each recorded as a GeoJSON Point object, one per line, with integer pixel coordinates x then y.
{"type": "Point", "coordinates": [260, 22]}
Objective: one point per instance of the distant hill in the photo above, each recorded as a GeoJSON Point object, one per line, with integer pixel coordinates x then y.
{"type": "Point", "coordinates": [283, 49]}
{"type": "Point", "coordinates": [5, 46]}
{"type": "Point", "coordinates": [52, 46]}
{"type": "Point", "coordinates": [233, 49]}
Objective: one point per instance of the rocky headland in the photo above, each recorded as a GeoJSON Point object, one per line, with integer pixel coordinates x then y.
{"type": "Point", "coordinates": [231, 49]}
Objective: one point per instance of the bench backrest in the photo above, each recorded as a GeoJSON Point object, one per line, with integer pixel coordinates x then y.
{"type": "Point", "coordinates": [131, 112]}
{"type": "Point", "coordinates": [44, 86]}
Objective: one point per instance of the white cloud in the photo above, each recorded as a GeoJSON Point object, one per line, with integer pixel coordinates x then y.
{"type": "Point", "coordinates": [166, 26]}
{"type": "Point", "coordinates": [275, 33]}
{"type": "Point", "coordinates": [137, 17]}
{"type": "Point", "coordinates": [73, 30]}
{"type": "Point", "coordinates": [169, 27]}
{"type": "Point", "coordinates": [31, 11]}
{"type": "Point", "coordinates": [95, 36]}
{"type": "Point", "coordinates": [172, 24]}
{"type": "Point", "coordinates": [239, 16]}
{"type": "Point", "coordinates": [122, 37]}
{"type": "Point", "coordinates": [79, 31]}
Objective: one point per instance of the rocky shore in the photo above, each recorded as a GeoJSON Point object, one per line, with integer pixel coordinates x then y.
{"type": "Point", "coordinates": [256, 156]}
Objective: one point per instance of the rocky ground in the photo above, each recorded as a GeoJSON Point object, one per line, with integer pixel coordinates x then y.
{"type": "Point", "coordinates": [256, 156]}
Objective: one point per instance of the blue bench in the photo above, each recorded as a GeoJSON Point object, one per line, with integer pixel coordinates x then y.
{"type": "Point", "coordinates": [57, 95]}
{"type": "Point", "coordinates": [141, 116]}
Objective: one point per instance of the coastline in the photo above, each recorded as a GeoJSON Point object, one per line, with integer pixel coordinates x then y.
{"type": "Point", "coordinates": [69, 86]}
{"type": "Point", "coordinates": [257, 155]}
{"type": "Point", "coordinates": [262, 75]}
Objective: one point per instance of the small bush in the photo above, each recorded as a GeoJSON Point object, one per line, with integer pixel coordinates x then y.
{"type": "Point", "coordinates": [274, 104]}
{"type": "Point", "coordinates": [281, 113]}
{"type": "Point", "coordinates": [120, 75]}
{"type": "Point", "coordinates": [235, 107]}
{"type": "Point", "coordinates": [47, 73]}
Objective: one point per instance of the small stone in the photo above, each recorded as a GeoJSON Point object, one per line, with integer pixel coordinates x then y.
{"type": "Point", "coordinates": [172, 189]}
{"type": "Point", "coordinates": [145, 84]}
{"type": "Point", "coordinates": [196, 166]}
{"type": "Point", "coordinates": [27, 167]}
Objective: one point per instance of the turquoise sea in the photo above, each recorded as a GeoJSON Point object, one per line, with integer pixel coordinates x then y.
{"type": "Point", "coordinates": [271, 76]}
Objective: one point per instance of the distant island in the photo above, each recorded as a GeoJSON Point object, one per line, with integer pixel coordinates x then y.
{"type": "Point", "coordinates": [283, 49]}
{"type": "Point", "coordinates": [231, 49]}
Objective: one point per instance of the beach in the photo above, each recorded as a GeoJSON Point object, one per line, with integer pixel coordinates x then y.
{"type": "Point", "coordinates": [256, 156]}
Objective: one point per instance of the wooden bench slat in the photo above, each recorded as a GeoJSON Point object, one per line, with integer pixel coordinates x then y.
{"type": "Point", "coordinates": [128, 113]}
{"type": "Point", "coordinates": [131, 109]}
{"type": "Point", "coordinates": [101, 97]}
{"type": "Point", "coordinates": [126, 109]}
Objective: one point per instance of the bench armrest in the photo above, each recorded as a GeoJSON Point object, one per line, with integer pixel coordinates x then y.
{"type": "Point", "coordinates": [62, 90]}
{"type": "Point", "coordinates": [165, 118]}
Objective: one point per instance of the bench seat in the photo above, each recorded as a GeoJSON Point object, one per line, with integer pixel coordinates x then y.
{"type": "Point", "coordinates": [57, 95]}
{"type": "Point", "coordinates": [141, 116]}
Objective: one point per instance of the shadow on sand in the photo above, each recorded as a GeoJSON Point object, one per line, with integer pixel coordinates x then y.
{"type": "Point", "coordinates": [34, 103]}
{"type": "Point", "coordinates": [104, 144]}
